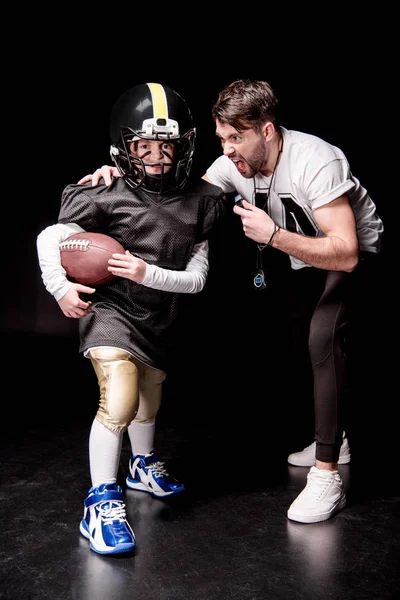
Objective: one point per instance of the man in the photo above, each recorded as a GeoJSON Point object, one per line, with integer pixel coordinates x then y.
{"type": "Point", "coordinates": [163, 221]}
{"type": "Point", "coordinates": [298, 199]}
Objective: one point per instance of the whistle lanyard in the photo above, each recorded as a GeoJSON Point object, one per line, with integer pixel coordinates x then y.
{"type": "Point", "coordinates": [259, 276]}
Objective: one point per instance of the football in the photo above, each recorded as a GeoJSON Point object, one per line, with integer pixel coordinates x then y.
{"type": "Point", "coordinates": [85, 256]}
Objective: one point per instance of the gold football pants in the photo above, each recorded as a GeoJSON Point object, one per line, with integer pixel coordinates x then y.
{"type": "Point", "coordinates": [129, 389]}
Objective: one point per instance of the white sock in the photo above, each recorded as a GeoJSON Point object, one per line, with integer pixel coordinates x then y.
{"type": "Point", "coordinates": [141, 436]}
{"type": "Point", "coordinates": [104, 454]}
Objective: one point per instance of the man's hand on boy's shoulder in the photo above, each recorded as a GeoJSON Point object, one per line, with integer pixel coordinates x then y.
{"type": "Point", "coordinates": [105, 172]}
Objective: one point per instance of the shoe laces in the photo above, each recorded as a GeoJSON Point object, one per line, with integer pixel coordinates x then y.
{"type": "Point", "coordinates": [159, 469]}
{"type": "Point", "coordinates": [317, 484]}
{"type": "Point", "coordinates": [112, 511]}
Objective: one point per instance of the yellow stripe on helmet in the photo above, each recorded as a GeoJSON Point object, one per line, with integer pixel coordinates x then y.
{"type": "Point", "coordinates": [159, 101]}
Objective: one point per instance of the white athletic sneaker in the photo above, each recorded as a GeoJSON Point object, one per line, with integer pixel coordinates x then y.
{"type": "Point", "coordinates": [306, 458]}
{"type": "Point", "coordinates": [322, 497]}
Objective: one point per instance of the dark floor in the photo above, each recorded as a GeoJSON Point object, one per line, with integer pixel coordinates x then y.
{"type": "Point", "coordinates": [225, 538]}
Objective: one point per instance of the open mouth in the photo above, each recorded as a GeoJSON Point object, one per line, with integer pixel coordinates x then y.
{"type": "Point", "coordinates": [240, 165]}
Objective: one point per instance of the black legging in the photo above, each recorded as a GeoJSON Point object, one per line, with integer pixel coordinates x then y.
{"type": "Point", "coordinates": [327, 347]}
{"type": "Point", "coordinates": [325, 303]}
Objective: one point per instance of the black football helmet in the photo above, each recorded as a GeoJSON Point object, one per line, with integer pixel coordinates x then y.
{"type": "Point", "coordinates": [152, 111]}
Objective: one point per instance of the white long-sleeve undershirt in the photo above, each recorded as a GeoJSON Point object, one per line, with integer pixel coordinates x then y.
{"type": "Point", "coordinates": [189, 281]}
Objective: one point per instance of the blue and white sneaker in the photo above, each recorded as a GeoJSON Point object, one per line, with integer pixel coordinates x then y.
{"type": "Point", "coordinates": [104, 521]}
{"type": "Point", "coordinates": [147, 473]}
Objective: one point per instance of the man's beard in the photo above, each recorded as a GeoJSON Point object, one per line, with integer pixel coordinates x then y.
{"type": "Point", "coordinates": [256, 161]}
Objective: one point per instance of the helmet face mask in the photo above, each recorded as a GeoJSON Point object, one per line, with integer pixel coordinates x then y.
{"type": "Point", "coordinates": [152, 112]}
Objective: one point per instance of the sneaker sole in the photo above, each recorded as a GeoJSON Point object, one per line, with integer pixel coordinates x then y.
{"type": "Point", "coordinates": [140, 487]}
{"type": "Point", "coordinates": [318, 518]}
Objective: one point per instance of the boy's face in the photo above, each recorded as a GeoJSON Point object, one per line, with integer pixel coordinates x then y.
{"type": "Point", "coordinates": [157, 155]}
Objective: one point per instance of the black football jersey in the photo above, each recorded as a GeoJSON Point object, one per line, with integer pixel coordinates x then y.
{"type": "Point", "coordinates": [160, 229]}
